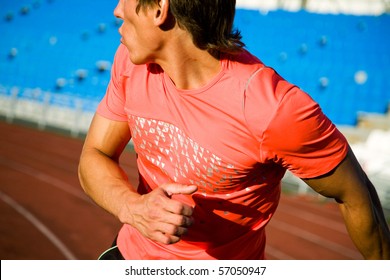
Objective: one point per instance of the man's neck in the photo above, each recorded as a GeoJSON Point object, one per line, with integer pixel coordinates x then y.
{"type": "Point", "coordinates": [188, 66]}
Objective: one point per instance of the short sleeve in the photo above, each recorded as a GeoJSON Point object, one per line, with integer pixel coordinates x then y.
{"type": "Point", "coordinates": [301, 138]}
{"type": "Point", "coordinates": [290, 127]}
{"type": "Point", "coordinates": [112, 106]}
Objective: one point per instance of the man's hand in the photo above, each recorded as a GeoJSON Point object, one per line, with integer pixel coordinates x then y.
{"type": "Point", "coordinates": [160, 218]}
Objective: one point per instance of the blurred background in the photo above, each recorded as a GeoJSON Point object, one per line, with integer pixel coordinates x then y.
{"type": "Point", "coordinates": [56, 55]}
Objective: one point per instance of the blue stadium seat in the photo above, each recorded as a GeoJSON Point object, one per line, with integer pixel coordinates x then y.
{"type": "Point", "coordinates": [56, 38]}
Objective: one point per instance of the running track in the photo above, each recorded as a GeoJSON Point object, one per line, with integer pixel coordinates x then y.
{"type": "Point", "coordinates": [46, 215]}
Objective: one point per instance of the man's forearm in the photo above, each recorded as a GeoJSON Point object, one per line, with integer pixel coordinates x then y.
{"type": "Point", "coordinates": [382, 227]}
{"type": "Point", "coordinates": [367, 226]}
{"type": "Point", "coordinates": [155, 215]}
{"type": "Point", "coordinates": [359, 203]}
{"type": "Point", "coordinates": [105, 182]}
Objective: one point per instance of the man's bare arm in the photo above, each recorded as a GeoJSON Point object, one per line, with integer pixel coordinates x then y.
{"type": "Point", "coordinates": [155, 215]}
{"type": "Point", "coordinates": [360, 206]}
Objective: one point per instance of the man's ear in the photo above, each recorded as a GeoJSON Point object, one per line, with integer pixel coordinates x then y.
{"type": "Point", "coordinates": [161, 13]}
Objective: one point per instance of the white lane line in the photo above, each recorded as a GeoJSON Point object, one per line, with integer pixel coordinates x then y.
{"type": "Point", "coordinates": [39, 225]}
{"type": "Point", "coordinates": [44, 177]}
{"type": "Point", "coordinates": [313, 238]}
{"type": "Point", "coordinates": [315, 219]}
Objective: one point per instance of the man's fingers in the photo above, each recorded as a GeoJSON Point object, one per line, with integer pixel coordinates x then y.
{"type": "Point", "coordinates": [166, 238]}
{"type": "Point", "coordinates": [162, 218]}
{"type": "Point", "coordinates": [175, 188]}
{"type": "Point", "coordinates": [175, 206]}
{"type": "Point", "coordinates": [178, 208]}
{"type": "Point", "coordinates": [168, 234]}
{"type": "Point", "coordinates": [181, 218]}
{"type": "Point", "coordinates": [172, 230]}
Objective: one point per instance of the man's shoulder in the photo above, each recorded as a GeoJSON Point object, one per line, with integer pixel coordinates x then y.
{"type": "Point", "coordinates": [245, 65]}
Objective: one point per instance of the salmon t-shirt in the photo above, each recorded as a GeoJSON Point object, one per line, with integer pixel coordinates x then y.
{"type": "Point", "coordinates": [234, 138]}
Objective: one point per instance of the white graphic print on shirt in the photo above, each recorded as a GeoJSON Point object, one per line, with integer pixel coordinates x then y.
{"type": "Point", "coordinates": [180, 158]}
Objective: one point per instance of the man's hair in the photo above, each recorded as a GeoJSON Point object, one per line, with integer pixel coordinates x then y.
{"type": "Point", "coordinates": [210, 22]}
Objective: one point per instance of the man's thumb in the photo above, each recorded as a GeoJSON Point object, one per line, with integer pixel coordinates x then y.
{"type": "Point", "coordinates": [175, 188]}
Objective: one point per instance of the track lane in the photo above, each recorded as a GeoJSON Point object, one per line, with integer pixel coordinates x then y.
{"type": "Point", "coordinates": [38, 225]}
{"type": "Point", "coordinates": [39, 171]}
{"type": "Point", "coordinates": [315, 228]}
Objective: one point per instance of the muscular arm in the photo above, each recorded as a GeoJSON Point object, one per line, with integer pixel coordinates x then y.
{"type": "Point", "coordinates": [100, 175]}
{"type": "Point", "coordinates": [155, 215]}
{"type": "Point", "coordinates": [359, 205]}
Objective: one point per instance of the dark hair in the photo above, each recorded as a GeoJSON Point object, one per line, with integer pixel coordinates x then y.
{"type": "Point", "coordinates": [210, 22]}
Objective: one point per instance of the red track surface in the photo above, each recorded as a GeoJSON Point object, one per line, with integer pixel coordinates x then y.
{"type": "Point", "coordinates": [46, 215]}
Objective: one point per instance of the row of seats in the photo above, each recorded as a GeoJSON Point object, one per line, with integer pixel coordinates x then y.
{"type": "Point", "coordinates": [341, 60]}
{"type": "Point", "coordinates": [48, 47]}
{"type": "Point", "coordinates": [67, 46]}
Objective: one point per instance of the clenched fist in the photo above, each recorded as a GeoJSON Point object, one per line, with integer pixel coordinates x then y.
{"type": "Point", "coordinates": [158, 217]}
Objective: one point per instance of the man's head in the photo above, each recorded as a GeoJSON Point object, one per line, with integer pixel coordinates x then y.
{"type": "Point", "coordinates": [210, 22]}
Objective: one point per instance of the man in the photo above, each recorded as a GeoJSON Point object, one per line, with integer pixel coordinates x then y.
{"type": "Point", "coordinates": [214, 130]}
